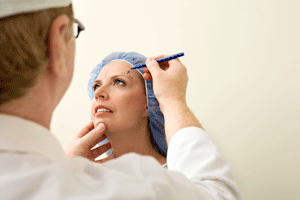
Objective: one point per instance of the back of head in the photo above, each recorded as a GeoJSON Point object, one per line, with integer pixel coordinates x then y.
{"type": "Point", "coordinates": [24, 33]}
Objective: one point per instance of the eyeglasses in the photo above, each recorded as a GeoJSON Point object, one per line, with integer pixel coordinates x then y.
{"type": "Point", "coordinates": [77, 27]}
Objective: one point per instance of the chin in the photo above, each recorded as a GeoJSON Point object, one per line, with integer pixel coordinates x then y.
{"type": "Point", "coordinates": [107, 125]}
{"type": "Point", "coordinates": [97, 122]}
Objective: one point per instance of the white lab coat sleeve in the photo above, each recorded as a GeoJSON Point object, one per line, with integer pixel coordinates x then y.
{"type": "Point", "coordinates": [31, 168]}
{"type": "Point", "coordinates": [194, 154]}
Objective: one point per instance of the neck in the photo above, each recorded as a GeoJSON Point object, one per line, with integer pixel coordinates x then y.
{"type": "Point", "coordinates": [36, 106]}
{"type": "Point", "coordinates": [29, 109]}
{"type": "Point", "coordinates": [135, 140]}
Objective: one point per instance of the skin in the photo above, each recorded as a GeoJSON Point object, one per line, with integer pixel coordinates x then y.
{"type": "Point", "coordinates": [117, 90]}
{"type": "Point", "coordinates": [122, 91]}
{"type": "Point", "coordinates": [169, 85]}
{"type": "Point", "coordinates": [39, 103]}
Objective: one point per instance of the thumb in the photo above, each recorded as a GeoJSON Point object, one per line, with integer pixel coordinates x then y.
{"type": "Point", "coordinates": [153, 66]}
{"type": "Point", "coordinates": [94, 136]}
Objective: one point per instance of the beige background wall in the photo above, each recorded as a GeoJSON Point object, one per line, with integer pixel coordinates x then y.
{"type": "Point", "coordinates": [243, 60]}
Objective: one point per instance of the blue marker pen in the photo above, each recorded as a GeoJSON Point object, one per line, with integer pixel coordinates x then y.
{"type": "Point", "coordinates": [141, 65]}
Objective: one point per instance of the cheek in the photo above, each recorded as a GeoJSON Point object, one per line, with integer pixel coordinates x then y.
{"type": "Point", "coordinates": [125, 101]}
{"type": "Point", "coordinates": [93, 106]}
{"type": "Point", "coordinates": [133, 103]}
{"type": "Point", "coordinates": [71, 53]}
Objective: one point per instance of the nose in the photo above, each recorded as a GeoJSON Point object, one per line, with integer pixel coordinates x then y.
{"type": "Point", "coordinates": [101, 93]}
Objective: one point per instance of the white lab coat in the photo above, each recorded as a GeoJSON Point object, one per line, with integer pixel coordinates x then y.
{"type": "Point", "coordinates": [33, 165]}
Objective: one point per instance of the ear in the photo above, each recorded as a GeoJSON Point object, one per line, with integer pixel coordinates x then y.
{"type": "Point", "coordinates": [57, 44]}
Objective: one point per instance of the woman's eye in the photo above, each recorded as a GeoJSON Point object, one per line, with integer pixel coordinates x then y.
{"type": "Point", "coordinates": [119, 82]}
{"type": "Point", "coordinates": [96, 86]}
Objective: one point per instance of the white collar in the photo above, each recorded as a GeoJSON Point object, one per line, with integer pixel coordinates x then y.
{"type": "Point", "coordinates": [20, 135]}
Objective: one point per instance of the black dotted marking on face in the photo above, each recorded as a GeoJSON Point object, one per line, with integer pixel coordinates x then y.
{"type": "Point", "coordinates": [106, 72]}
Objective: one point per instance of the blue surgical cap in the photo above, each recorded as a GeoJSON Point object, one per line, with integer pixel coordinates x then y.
{"type": "Point", "coordinates": [156, 118]}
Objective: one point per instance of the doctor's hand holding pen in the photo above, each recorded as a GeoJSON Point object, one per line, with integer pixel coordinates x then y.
{"type": "Point", "coordinates": [169, 84]}
{"type": "Point", "coordinates": [169, 80]}
{"type": "Point", "coordinates": [82, 143]}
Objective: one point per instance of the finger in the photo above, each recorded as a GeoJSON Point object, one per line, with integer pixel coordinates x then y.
{"type": "Point", "coordinates": [160, 56]}
{"type": "Point", "coordinates": [94, 135]}
{"type": "Point", "coordinates": [110, 157]}
{"type": "Point", "coordinates": [175, 61]}
{"type": "Point", "coordinates": [101, 149]}
{"type": "Point", "coordinates": [147, 76]}
{"type": "Point", "coordinates": [176, 64]}
{"type": "Point", "coordinates": [145, 70]}
{"type": "Point", "coordinates": [162, 65]}
{"type": "Point", "coordinates": [98, 140]}
{"type": "Point", "coordinates": [86, 129]}
{"type": "Point", "coordinates": [153, 66]}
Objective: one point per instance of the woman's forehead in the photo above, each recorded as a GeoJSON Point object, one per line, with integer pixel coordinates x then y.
{"type": "Point", "coordinates": [117, 67]}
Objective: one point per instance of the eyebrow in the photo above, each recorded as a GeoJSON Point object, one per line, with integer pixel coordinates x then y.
{"type": "Point", "coordinates": [113, 77]}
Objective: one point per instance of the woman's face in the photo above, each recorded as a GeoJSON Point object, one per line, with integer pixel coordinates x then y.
{"type": "Point", "coordinates": [120, 99]}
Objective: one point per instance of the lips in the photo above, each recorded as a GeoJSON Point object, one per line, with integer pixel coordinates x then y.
{"type": "Point", "coordinates": [102, 109]}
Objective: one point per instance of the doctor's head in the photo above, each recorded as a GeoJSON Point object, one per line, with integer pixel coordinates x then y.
{"type": "Point", "coordinates": [30, 32]}
{"type": "Point", "coordinates": [124, 101]}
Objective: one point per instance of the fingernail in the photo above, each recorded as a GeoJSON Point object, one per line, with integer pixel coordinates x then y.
{"type": "Point", "coordinates": [100, 126]}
